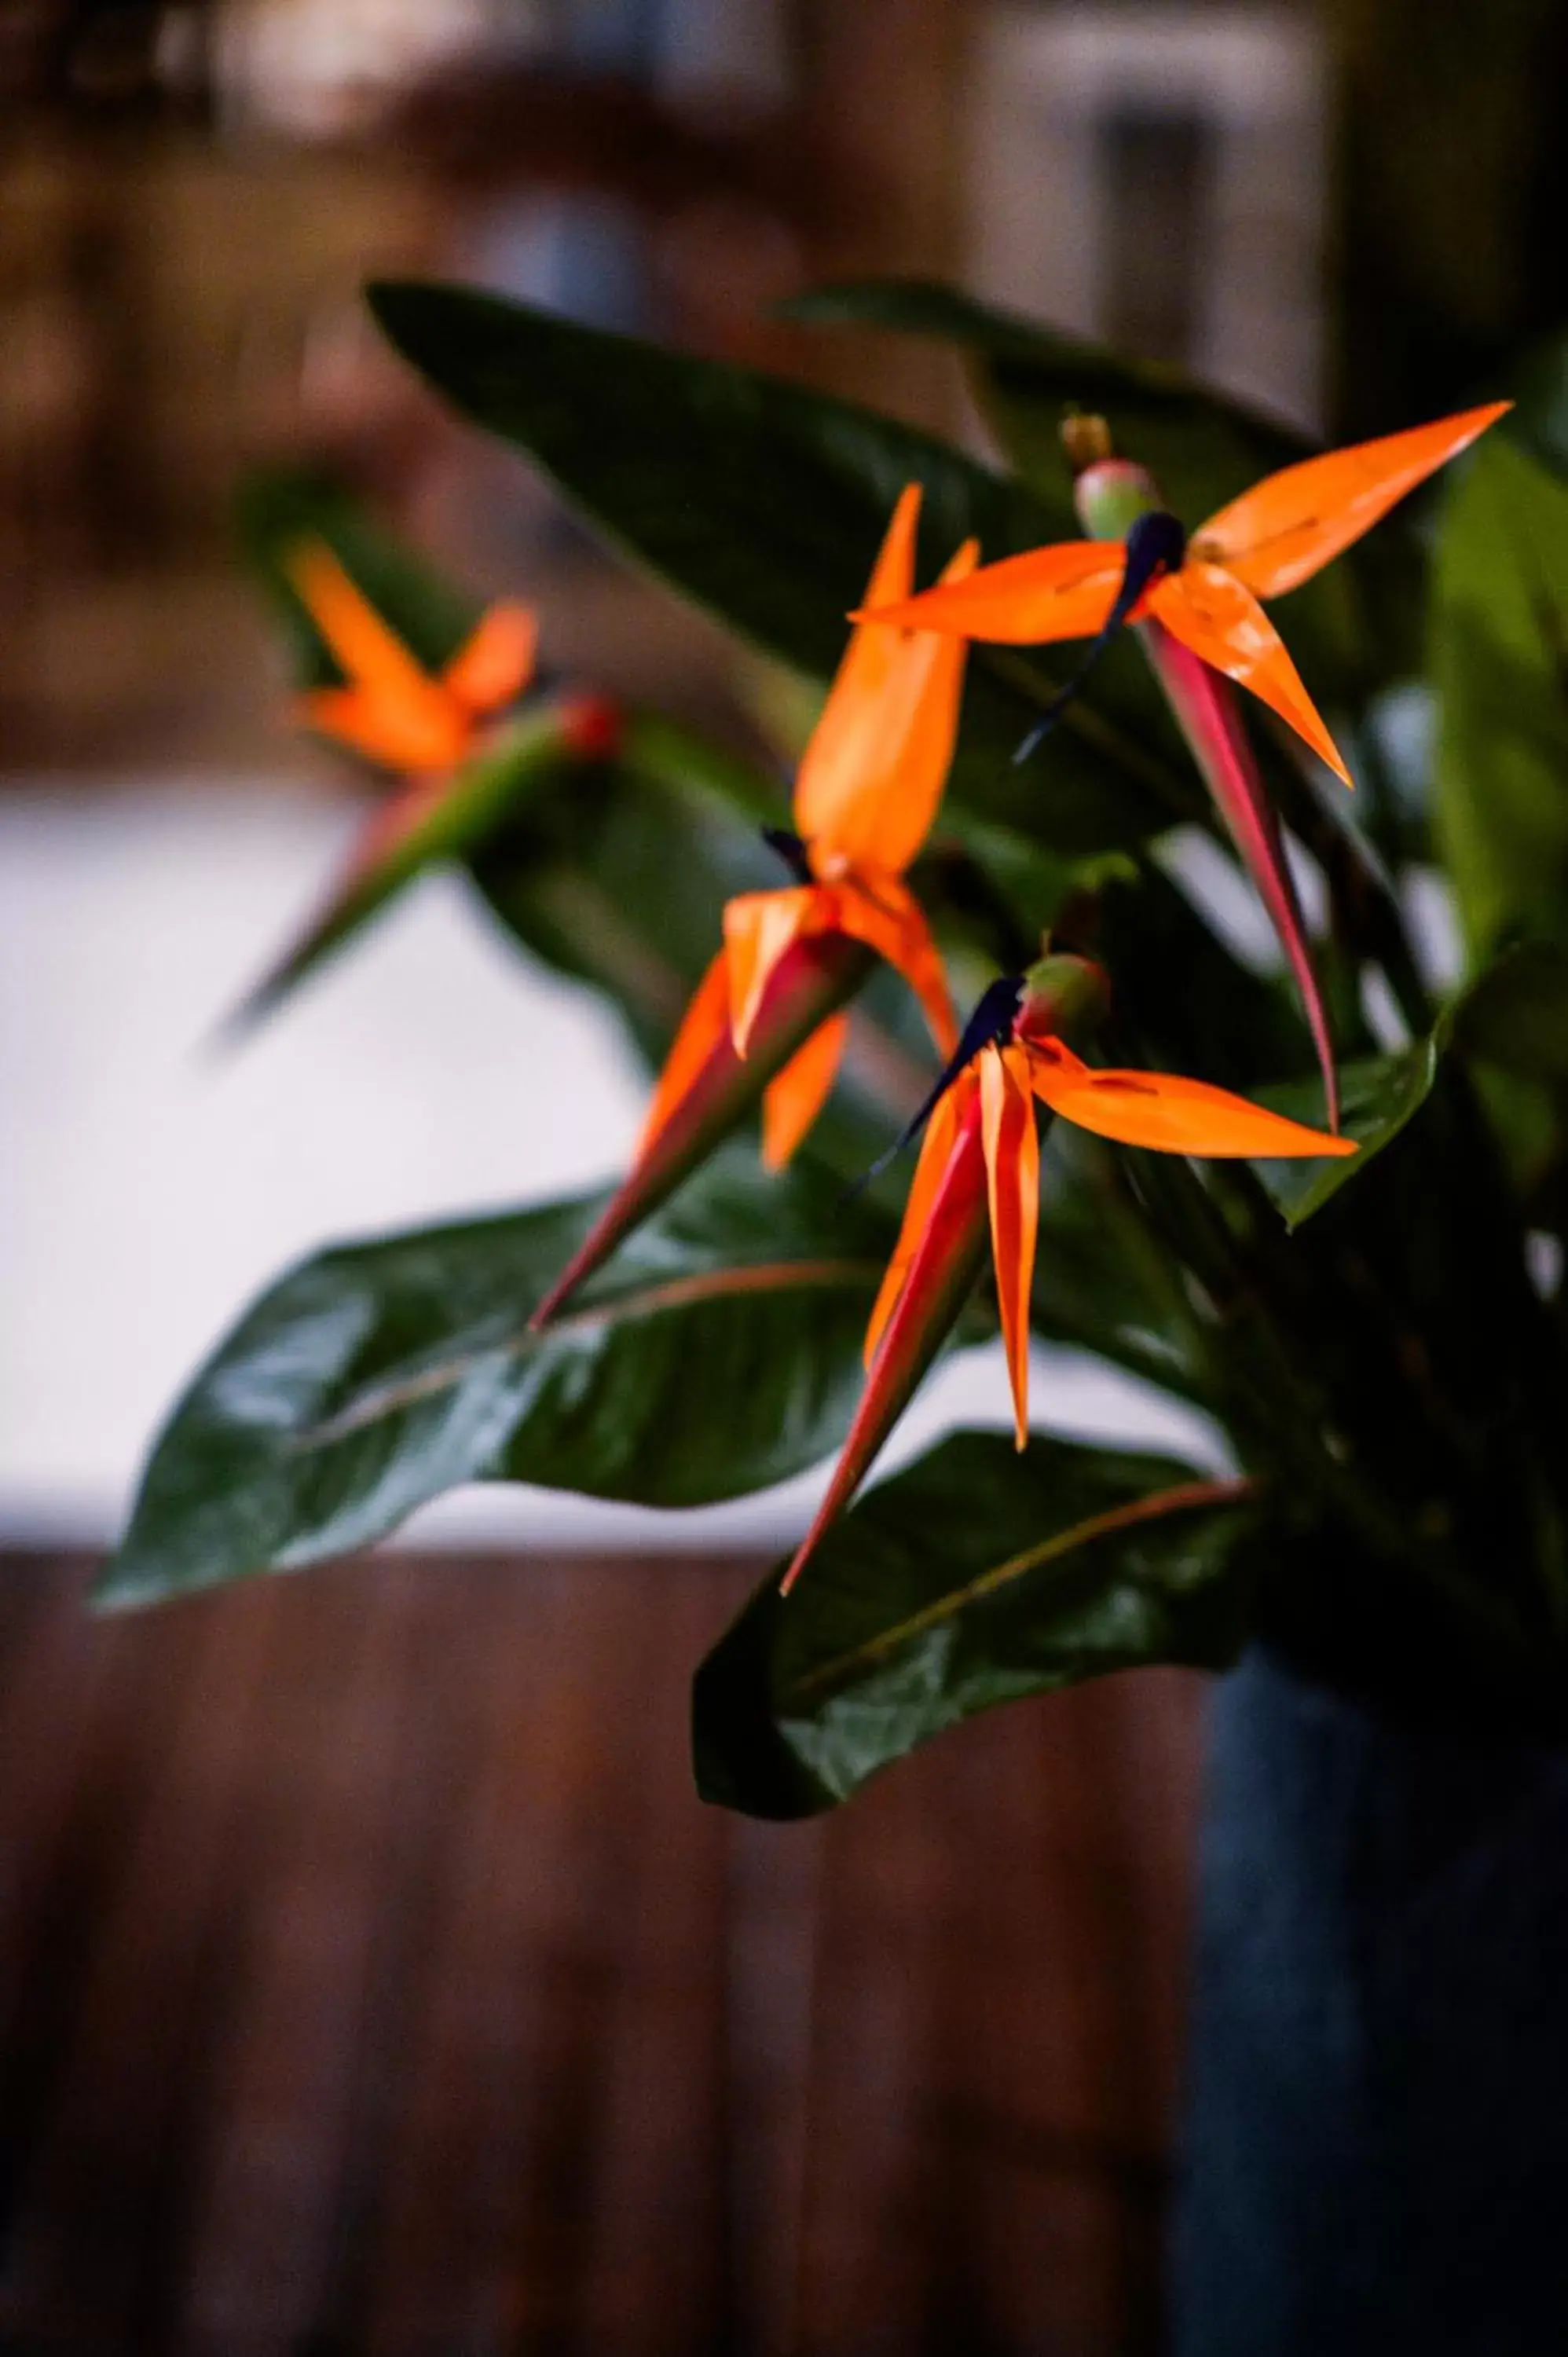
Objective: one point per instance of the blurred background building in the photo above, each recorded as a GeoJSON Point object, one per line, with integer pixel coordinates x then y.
{"type": "Point", "coordinates": [959, 2005]}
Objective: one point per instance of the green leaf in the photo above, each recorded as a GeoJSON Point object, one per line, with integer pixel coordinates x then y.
{"type": "Point", "coordinates": [277, 510]}
{"type": "Point", "coordinates": [1101, 1282]}
{"type": "Point", "coordinates": [1512, 1023]}
{"type": "Point", "coordinates": [621, 880]}
{"type": "Point", "coordinates": [1499, 660]}
{"type": "Point", "coordinates": [1355, 626]}
{"type": "Point", "coordinates": [766, 502]}
{"type": "Point", "coordinates": [1201, 446]}
{"type": "Point", "coordinates": [1378, 1097]}
{"type": "Point", "coordinates": [1515, 1015]}
{"type": "Point", "coordinates": [718, 1353]}
{"type": "Point", "coordinates": [975, 1576]}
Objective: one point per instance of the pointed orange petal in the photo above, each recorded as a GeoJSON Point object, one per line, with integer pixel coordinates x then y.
{"type": "Point", "coordinates": [1211, 612]}
{"type": "Point", "coordinates": [936, 1151]}
{"type": "Point", "coordinates": [884, 914]}
{"type": "Point", "coordinates": [1172, 1115]}
{"type": "Point", "coordinates": [838, 744]}
{"type": "Point", "coordinates": [893, 574]}
{"type": "Point", "coordinates": [496, 664]}
{"type": "Point", "coordinates": [758, 929]}
{"type": "Point", "coordinates": [367, 650]}
{"type": "Point", "coordinates": [1063, 592]}
{"type": "Point", "coordinates": [871, 778]}
{"type": "Point", "coordinates": [398, 702]}
{"type": "Point", "coordinates": [1288, 526]}
{"type": "Point", "coordinates": [1013, 1182]}
{"type": "Point", "coordinates": [706, 1090]}
{"type": "Point", "coordinates": [400, 733]}
{"type": "Point", "coordinates": [791, 1103]}
{"type": "Point", "coordinates": [946, 1257]}
{"type": "Point", "coordinates": [706, 1019]}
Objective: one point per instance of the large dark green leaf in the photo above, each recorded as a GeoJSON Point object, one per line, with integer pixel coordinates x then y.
{"type": "Point", "coordinates": [766, 502]}
{"type": "Point", "coordinates": [1203, 447]}
{"type": "Point", "coordinates": [1353, 627]}
{"type": "Point", "coordinates": [718, 1353]}
{"type": "Point", "coordinates": [974, 1578]}
{"type": "Point", "coordinates": [1499, 660]}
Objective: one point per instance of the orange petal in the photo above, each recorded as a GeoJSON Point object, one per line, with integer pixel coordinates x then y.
{"type": "Point", "coordinates": [1288, 526]}
{"type": "Point", "coordinates": [837, 742]}
{"type": "Point", "coordinates": [401, 733]}
{"type": "Point", "coordinates": [1013, 1182]}
{"type": "Point", "coordinates": [706, 1019]}
{"type": "Point", "coordinates": [936, 1151]}
{"type": "Point", "coordinates": [397, 705]}
{"type": "Point", "coordinates": [934, 1282]}
{"type": "Point", "coordinates": [871, 778]}
{"type": "Point", "coordinates": [884, 914]}
{"type": "Point", "coordinates": [1174, 1116]}
{"type": "Point", "coordinates": [496, 664]}
{"type": "Point", "coordinates": [791, 1103]}
{"type": "Point", "coordinates": [1063, 592]}
{"type": "Point", "coordinates": [1214, 614]}
{"type": "Point", "coordinates": [758, 929]}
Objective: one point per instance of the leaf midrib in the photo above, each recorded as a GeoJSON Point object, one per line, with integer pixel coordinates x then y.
{"type": "Point", "coordinates": [1187, 1497]}
{"type": "Point", "coordinates": [651, 1300]}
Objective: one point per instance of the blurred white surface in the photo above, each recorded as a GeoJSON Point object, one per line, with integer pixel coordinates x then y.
{"type": "Point", "coordinates": [148, 1190]}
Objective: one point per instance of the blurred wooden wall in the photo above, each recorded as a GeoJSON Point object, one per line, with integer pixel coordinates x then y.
{"type": "Point", "coordinates": [371, 1980]}
{"type": "Point", "coordinates": [180, 301]}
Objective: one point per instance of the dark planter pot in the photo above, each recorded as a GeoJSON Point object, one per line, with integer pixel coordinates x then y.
{"type": "Point", "coordinates": [1376, 2149]}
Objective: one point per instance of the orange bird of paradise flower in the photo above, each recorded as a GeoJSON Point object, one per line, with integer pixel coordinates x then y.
{"type": "Point", "coordinates": [419, 723]}
{"type": "Point", "coordinates": [766, 1020]}
{"type": "Point", "coordinates": [1196, 603]}
{"type": "Point", "coordinates": [979, 1171]}
{"type": "Point", "coordinates": [427, 727]}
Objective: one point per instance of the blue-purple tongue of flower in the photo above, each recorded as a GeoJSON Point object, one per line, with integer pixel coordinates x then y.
{"type": "Point", "coordinates": [1155, 543]}
{"type": "Point", "coordinates": [994, 1014]}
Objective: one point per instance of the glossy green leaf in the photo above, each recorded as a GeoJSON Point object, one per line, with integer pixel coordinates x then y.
{"type": "Point", "coordinates": [278, 510]}
{"type": "Point", "coordinates": [1378, 1097]}
{"type": "Point", "coordinates": [1200, 444]}
{"type": "Point", "coordinates": [719, 1352]}
{"type": "Point", "coordinates": [1499, 660]}
{"type": "Point", "coordinates": [1352, 628]}
{"type": "Point", "coordinates": [974, 1578]}
{"type": "Point", "coordinates": [766, 502]}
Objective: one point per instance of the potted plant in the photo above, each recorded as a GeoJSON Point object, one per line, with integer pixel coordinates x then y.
{"type": "Point", "coordinates": [1318, 1198]}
